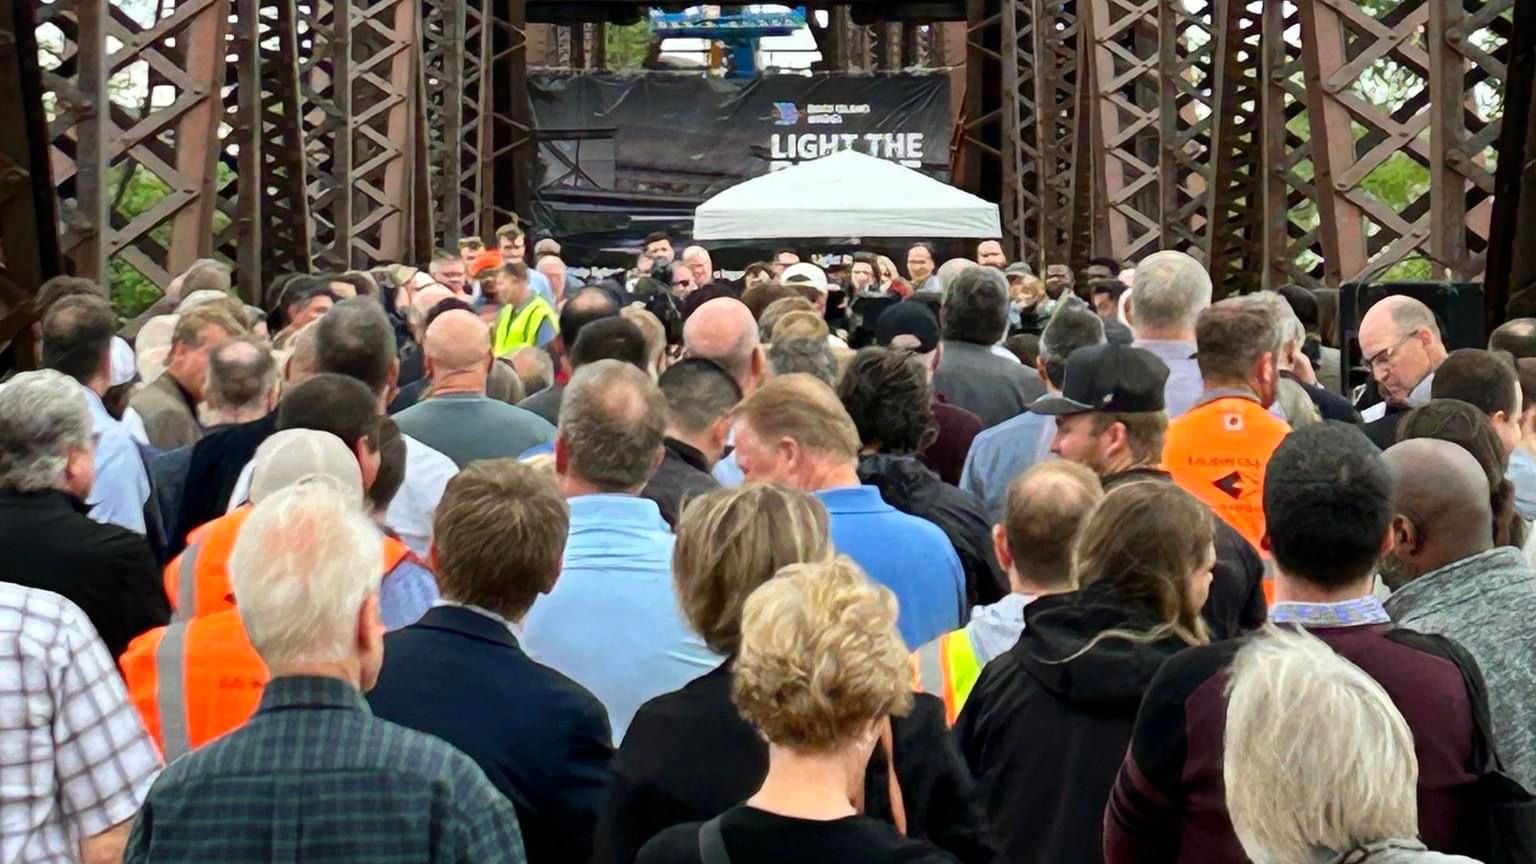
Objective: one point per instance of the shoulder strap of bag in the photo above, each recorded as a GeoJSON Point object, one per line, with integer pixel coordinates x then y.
{"type": "Point", "coordinates": [712, 844]}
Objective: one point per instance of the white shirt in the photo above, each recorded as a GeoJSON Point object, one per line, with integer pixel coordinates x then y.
{"type": "Point", "coordinates": [427, 473]}
{"type": "Point", "coordinates": [122, 483]}
{"type": "Point", "coordinates": [74, 757]}
{"type": "Point", "coordinates": [1417, 398]}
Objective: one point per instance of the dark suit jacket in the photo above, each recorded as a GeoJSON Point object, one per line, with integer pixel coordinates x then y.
{"type": "Point", "coordinates": [682, 476]}
{"type": "Point", "coordinates": [993, 388]}
{"type": "Point", "coordinates": [47, 542]}
{"type": "Point", "coordinates": [546, 403]}
{"type": "Point", "coordinates": [541, 738]}
{"type": "Point", "coordinates": [212, 472]}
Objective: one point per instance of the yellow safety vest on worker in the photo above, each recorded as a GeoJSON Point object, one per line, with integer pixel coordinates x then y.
{"type": "Point", "coordinates": [948, 668]}
{"type": "Point", "coordinates": [521, 330]}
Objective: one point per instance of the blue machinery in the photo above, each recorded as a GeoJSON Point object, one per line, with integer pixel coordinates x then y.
{"type": "Point", "coordinates": [738, 30]}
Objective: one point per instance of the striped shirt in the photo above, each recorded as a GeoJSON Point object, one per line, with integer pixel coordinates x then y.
{"type": "Point", "coordinates": [314, 776]}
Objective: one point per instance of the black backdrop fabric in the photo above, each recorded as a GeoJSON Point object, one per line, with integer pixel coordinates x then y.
{"type": "Point", "coordinates": [620, 156]}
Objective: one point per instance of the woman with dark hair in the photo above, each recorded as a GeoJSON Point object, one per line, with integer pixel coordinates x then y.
{"type": "Point", "coordinates": [1465, 424]}
{"type": "Point", "coordinates": [689, 755]}
{"type": "Point", "coordinates": [887, 393]}
{"type": "Point", "coordinates": [1047, 724]}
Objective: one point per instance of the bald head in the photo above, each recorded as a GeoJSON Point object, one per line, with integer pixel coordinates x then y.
{"type": "Point", "coordinates": [304, 360]}
{"type": "Point", "coordinates": [427, 299]}
{"type": "Point", "coordinates": [1402, 313]}
{"type": "Point", "coordinates": [457, 343]}
{"type": "Point", "coordinates": [1401, 344]}
{"type": "Point", "coordinates": [1047, 507]}
{"type": "Point", "coordinates": [1441, 508]}
{"type": "Point", "coordinates": [723, 330]}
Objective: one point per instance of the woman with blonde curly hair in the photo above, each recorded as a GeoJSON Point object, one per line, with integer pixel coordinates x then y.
{"type": "Point", "coordinates": [689, 755]}
{"type": "Point", "coordinates": [820, 670]}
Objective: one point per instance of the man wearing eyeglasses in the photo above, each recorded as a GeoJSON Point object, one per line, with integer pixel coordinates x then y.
{"type": "Point", "coordinates": [1401, 344]}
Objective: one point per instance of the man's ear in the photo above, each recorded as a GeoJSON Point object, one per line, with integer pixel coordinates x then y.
{"type": "Point", "coordinates": [1405, 538]}
{"type": "Point", "coordinates": [1000, 547]}
{"type": "Point", "coordinates": [562, 455]}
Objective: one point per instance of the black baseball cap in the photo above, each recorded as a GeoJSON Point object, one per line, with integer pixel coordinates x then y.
{"type": "Point", "coordinates": [1109, 378]}
{"type": "Point", "coordinates": [908, 318]}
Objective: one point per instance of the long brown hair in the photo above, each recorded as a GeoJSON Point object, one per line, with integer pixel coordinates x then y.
{"type": "Point", "coordinates": [1141, 543]}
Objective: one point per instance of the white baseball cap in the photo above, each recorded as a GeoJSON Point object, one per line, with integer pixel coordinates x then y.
{"type": "Point", "coordinates": [805, 273]}
{"type": "Point", "coordinates": [124, 367]}
{"type": "Point", "coordinates": [295, 456]}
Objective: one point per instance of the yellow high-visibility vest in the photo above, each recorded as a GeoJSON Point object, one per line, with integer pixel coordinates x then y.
{"type": "Point", "coordinates": [948, 668]}
{"type": "Point", "coordinates": [522, 330]}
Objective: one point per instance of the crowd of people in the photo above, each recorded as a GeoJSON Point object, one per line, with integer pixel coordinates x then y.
{"type": "Point", "coordinates": [504, 560]}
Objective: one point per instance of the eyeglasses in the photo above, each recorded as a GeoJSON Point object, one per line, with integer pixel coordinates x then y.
{"type": "Point", "coordinates": [1384, 356]}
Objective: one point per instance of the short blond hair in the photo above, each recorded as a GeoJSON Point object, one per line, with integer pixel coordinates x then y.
{"type": "Point", "coordinates": [190, 324]}
{"type": "Point", "coordinates": [651, 328]}
{"type": "Point", "coordinates": [498, 535]}
{"type": "Point", "coordinates": [803, 408]}
{"type": "Point", "coordinates": [820, 658]}
{"type": "Point", "coordinates": [730, 541]}
{"type": "Point", "coordinates": [800, 324]}
{"type": "Point", "coordinates": [1317, 756]}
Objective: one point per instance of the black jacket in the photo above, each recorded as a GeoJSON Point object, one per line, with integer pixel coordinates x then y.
{"type": "Point", "coordinates": [540, 737]}
{"type": "Point", "coordinates": [1045, 735]}
{"type": "Point", "coordinates": [682, 476]}
{"type": "Point", "coordinates": [689, 756]}
{"type": "Point", "coordinates": [1236, 603]}
{"type": "Point", "coordinates": [212, 472]}
{"type": "Point", "coordinates": [47, 542]}
{"type": "Point", "coordinates": [912, 488]}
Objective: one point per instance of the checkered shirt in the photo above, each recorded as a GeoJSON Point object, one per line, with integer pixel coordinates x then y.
{"type": "Point", "coordinates": [74, 758]}
{"type": "Point", "coordinates": [314, 776]}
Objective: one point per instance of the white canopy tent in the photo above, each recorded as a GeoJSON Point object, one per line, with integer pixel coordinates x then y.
{"type": "Point", "coordinates": [845, 194]}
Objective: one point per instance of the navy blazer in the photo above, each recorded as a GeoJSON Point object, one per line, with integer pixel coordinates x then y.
{"type": "Point", "coordinates": [540, 737]}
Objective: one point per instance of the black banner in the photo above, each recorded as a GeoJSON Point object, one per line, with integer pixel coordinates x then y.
{"type": "Point", "coordinates": [620, 156]}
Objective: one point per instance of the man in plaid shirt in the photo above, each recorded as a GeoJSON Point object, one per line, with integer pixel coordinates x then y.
{"type": "Point", "coordinates": [75, 763]}
{"type": "Point", "coordinates": [314, 776]}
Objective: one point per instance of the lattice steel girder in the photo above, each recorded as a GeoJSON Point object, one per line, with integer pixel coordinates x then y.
{"type": "Point", "coordinates": [324, 33]}
{"type": "Point", "coordinates": [1441, 125]}
{"type": "Point", "coordinates": [1292, 244]}
{"type": "Point", "coordinates": [1235, 221]}
{"type": "Point", "coordinates": [77, 80]}
{"type": "Point", "coordinates": [508, 156]}
{"type": "Point", "coordinates": [29, 248]}
{"type": "Point", "coordinates": [1021, 182]}
{"type": "Point", "coordinates": [1058, 75]}
{"type": "Point", "coordinates": [384, 36]}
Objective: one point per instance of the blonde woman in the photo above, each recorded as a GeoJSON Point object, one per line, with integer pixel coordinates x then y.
{"type": "Point", "coordinates": [819, 670]}
{"type": "Point", "coordinates": [690, 755]}
{"type": "Point", "coordinates": [1319, 764]}
{"type": "Point", "coordinates": [1047, 724]}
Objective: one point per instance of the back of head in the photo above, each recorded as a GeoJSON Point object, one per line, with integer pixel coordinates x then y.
{"type": "Point", "coordinates": [77, 336]}
{"type": "Point", "coordinates": [1516, 337]}
{"type": "Point", "coordinates": [1327, 504]}
{"type": "Point", "coordinates": [59, 287]}
{"type": "Point", "coordinates": [241, 374]}
{"type": "Point", "coordinates": [804, 409]}
{"type": "Point", "coordinates": [190, 325]}
{"type": "Point", "coordinates": [804, 357]}
{"type": "Point", "coordinates": [457, 341]}
{"type": "Point", "coordinates": [1465, 425]}
{"type": "Point", "coordinates": [332, 403]}
{"type": "Point", "coordinates": [498, 535]}
{"type": "Point", "coordinates": [758, 298]}
{"type": "Point", "coordinates": [535, 367]}
{"type": "Point", "coordinates": [1171, 290]}
{"type": "Point", "coordinates": [611, 338]}
{"type": "Point", "coordinates": [1048, 505]}
{"type": "Point", "coordinates": [887, 394]}
{"type": "Point", "coordinates": [770, 317]}
{"type": "Point", "coordinates": [290, 457]}
{"type": "Point", "coordinates": [355, 339]}
{"type": "Point", "coordinates": [730, 541]}
{"type": "Point", "coordinates": [976, 306]}
{"type": "Point", "coordinates": [1143, 541]}
{"type": "Point", "coordinates": [724, 331]}
{"type": "Point", "coordinates": [1442, 487]}
{"type": "Point", "coordinates": [1231, 336]}
{"type": "Point", "coordinates": [43, 416]}
{"type": "Point", "coordinates": [1486, 379]}
{"type": "Point", "coordinates": [583, 308]}
{"type": "Point", "coordinates": [951, 269]}
{"type": "Point", "coordinates": [612, 421]}
{"type": "Point", "coordinates": [1318, 760]}
{"type": "Point", "coordinates": [1071, 328]}
{"type": "Point", "coordinates": [699, 393]}
{"type": "Point", "coordinates": [800, 324]}
{"type": "Point", "coordinates": [820, 658]}
{"type": "Point", "coordinates": [306, 562]}
{"type": "Point", "coordinates": [1291, 331]}
{"type": "Point", "coordinates": [651, 328]}
{"type": "Point", "coordinates": [391, 474]}
{"type": "Point", "coordinates": [206, 275]}
{"type": "Point", "coordinates": [1303, 304]}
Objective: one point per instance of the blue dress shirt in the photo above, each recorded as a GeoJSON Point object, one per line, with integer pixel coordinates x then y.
{"type": "Point", "coordinates": [1002, 453]}
{"type": "Point", "coordinates": [908, 555]}
{"type": "Point", "coordinates": [405, 594]}
{"type": "Point", "coordinates": [612, 622]}
{"type": "Point", "coordinates": [122, 482]}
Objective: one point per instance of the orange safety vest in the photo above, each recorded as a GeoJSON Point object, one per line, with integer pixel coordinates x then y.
{"type": "Point", "coordinates": [197, 581]}
{"type": "Point", "coordinates": [199, 677]}
{"type": "Point", "coordinates": [194, 680]}
{"type": "Point", "coordinates": [1219, 452]}
{"type": "Point", "coordinates": [202, 569]}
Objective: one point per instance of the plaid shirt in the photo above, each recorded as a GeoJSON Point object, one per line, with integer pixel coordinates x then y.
{"type": "Point", "coordinates": [314, 776]}
{"type": "Point", "coordinates": [74, 759]}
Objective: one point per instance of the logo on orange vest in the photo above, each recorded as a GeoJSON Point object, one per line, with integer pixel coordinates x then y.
{"type": "Point", "coordinates": [1232, 484]}
{"type": "Point", "coordinates": [1232, 423]}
